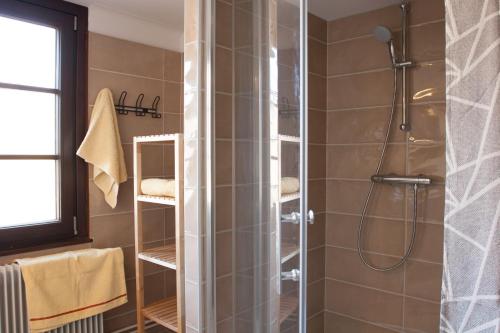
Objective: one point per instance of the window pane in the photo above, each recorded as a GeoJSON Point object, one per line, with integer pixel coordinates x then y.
{"type": "Point", "coordinates": [29, 53]}
{"type": "Point", "coordinates": [28, 122]}
{"type": "Point", "coordinates": [29, 192]}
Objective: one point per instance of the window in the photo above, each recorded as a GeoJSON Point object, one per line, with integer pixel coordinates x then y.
{"type": "Point", "coordinates": [43, 96]}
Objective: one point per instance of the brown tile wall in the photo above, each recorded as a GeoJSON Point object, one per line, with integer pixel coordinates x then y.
{"type": "Point", "coordinates": [317, 43]}
{"type": "Point", "coordinates": [123, 65]}
{"type": "Point", "coordinates": [359, 89]}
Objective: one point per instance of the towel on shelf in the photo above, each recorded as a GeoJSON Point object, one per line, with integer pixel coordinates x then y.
{"type": "Point", "coordinates": [70, 286]}
{"type": "Point", "coordinates": [289, 185]}
{"type": "Point", "coordinates": [103, 149]}
{"type": "Point", "coordinates": [158, 187]}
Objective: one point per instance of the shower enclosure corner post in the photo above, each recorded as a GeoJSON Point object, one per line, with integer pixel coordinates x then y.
{"type": "Point", "coordinates": [303, 50]}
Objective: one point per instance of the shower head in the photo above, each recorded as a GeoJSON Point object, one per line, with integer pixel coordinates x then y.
{"type": "Point", "coordinates": [384, 35]}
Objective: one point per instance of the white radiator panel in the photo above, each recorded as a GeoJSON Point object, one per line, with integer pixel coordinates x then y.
{"type": "Point", "coordinates": [13, 317]}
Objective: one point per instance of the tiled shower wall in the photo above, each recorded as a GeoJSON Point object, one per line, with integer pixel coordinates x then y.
{"type": "Point", "coordinates": [123, 65]}
{"type": "Point", "coordinates": [317, 45]}
{"type": "Point", "coordinates": [359, 89]}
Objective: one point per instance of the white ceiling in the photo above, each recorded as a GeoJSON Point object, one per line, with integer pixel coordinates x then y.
{"type": "Point", "coordinates": [153, 22]}
{"type": "Point", "coordinates": [160, 22]}
{"type": "Point", "coordinates": [334, 9]}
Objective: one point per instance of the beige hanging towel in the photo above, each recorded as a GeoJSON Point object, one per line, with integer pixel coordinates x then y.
{"type": "Point", "coordinates": [102, 147]}
{"type": "Point", "coordinates": [70, 286]}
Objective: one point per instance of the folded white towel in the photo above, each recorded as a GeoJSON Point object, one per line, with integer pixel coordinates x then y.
{"type": "Point", "coordinates": [289, 185]}
{"type": "Point", "coordinates": [102, 147]}
{"type": "Point", "coordinates": [158, 187]}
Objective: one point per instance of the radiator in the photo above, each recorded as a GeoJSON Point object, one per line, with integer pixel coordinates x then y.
{"type": "Point", "coordinates": [13, 316]}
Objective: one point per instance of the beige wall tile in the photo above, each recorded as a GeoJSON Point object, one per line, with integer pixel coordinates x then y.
{"type": "Point", "coordinates": [317, 92]}
{"type": "Point", "coordinates": [363, 126]}
{"type": "Point", "coordinates": [223, 116]}
{"type": "Point", "coordinates": [357, 55]}
{"type": "Point", "coordinates": [134, 86]}
{"type": "Point", "coordinates": [362, 24]}
{"type": "Point", "coordinates": [316, 264]}
{"type": "Point", "coordinates": [224, 287]}
{"type": "Point", "coordinates": [427, 82]}
{"type": "Point", "coordinates": [423, 280]}
{"type": "Point", "coordinates": [172, 66]}
{"type": "Point", "coordinates": [113, 54]}
{"type": "Point", "coordinates": [315, 297]}
{"type": "Point", "coordinates": [316, 231]}
{"type": "Point", "coordinates": [430, 204]}
{"type": "Point", "coordinates": [421, 316]}
{"type": "Point", "coordinates": [317, 27]}
{"type": "Point", "coordinates": [360, 90]}
{"type": "Point", "coordinates": [223, 70]}
{"type": "Point", "coordinates": [224, 253]}
{"type": "Point", "coordinates": [363, 303]}
{"type": "Point", "coordinates": [172, 97]}
{"type": "Point", "coordinates": [380, 235]}
{"type": "Point", "coordinates": [338, 323]}
{"type": "Point", "coordinates": [224, 208]}
{"type": "Point", "coordinates": [318, 56]}
{"type": "Point", "coordinates": [316, 323]}
{"type": "Point", "coordinates": [223, 162]}
{"type": "Point", "coordinates": [428, 243]}
{"type": "Point", "coordinates": [427, 159]}
{"type": "Point", "coordinates": [223, 28]}
{"type": "Point", "coordinates": [428, 122]}
{"type": "Point", "coordinates": [348, 197]}
{"type": "Point", "coordinates": [341, 159]}
{"type": "Point", "coordinates": [348, 267]}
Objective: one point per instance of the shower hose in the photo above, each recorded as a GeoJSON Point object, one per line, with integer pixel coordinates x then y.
{"type": "Point", "coordinates": [369, 194]}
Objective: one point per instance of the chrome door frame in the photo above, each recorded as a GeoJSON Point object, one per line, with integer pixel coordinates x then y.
{"type": "Point", "coordinates": [303, 172]}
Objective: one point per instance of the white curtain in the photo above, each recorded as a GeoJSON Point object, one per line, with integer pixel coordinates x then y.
{"type": "Point", "coordinates": [471, 277]}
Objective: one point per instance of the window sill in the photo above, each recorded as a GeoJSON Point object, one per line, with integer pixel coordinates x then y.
{"type": "Point", "coordinates": [77, 243]}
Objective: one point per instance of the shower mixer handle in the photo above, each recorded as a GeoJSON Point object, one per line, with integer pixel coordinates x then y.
{"type": "Point", "coordinates": [396, 179]}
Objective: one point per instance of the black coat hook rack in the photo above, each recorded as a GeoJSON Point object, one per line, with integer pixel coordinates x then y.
{"type": "Point", "coordinates": [138, 109]}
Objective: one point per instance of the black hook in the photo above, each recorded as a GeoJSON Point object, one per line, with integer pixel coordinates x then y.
{"type": "Point", "coordinates": [138, 105]}
{"type": "Point", "coordinates": [121, 103]}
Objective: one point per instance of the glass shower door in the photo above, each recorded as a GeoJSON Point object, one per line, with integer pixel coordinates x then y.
{"type": "Point", "coordinates": [257, 190]}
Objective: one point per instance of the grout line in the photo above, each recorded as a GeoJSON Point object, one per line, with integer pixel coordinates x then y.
{"type": "Point", "coordinates": [394, 219]}
{"type": "Point", "coordinates": [371, 107]}
{"type": "Point", "coordinates": [382, 290]}
{"type": "Point", "coordinates": [131, 75]}
{"type": "Point", "coordinates": [383, 254]}
{"type": "Point", "coordinates": [125, 212]}
{"type": "Point", "coordinates": [361, 320]}
{"type": "Point", "coordinates": [418, 25]}
{"type": "Point", "coordinates": [383, 69]}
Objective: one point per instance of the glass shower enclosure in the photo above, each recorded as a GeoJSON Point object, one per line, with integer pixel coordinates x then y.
{"type": "Point", "coordinates": [255, 195]}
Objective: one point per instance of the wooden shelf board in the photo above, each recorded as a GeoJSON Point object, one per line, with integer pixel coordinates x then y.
{"type": "Point", "coordinates": [157, 200]}
{"type": "Point", "coordinates": [163, 312]}
{"type": "Point", "coordinates": [155, 138]}
{"type": "Point", "coordinates": [288, 305]}
{"type": "Point", "coordinates": [289, 197]}
{"type": "Point", "coordinates": [162, 255]}
{"type": "Point", "coordinates": [288, 251]}
{"type": "Point", "coordinates": [289, 138]}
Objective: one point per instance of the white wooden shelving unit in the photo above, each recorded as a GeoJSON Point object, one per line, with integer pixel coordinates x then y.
{"type": "Point", "coordinates": [168, 312]}
{"type": "Point", "coordinates": [286, 250]}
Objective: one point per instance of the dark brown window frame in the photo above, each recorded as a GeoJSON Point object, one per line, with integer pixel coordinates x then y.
{"type": "Point", "coordinates": [74, 176]}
